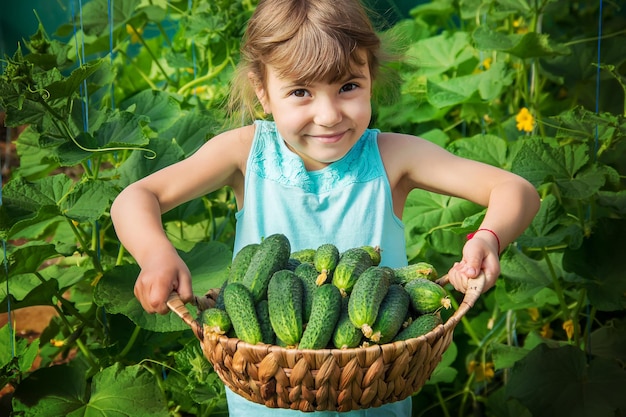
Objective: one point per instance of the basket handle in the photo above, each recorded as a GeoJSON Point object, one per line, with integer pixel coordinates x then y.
{"type": "Point", "coordinates": [474, 290]}
{"type": "Point", "coordinates": [176, 305]}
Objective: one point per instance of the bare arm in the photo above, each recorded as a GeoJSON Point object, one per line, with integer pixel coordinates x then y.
{"type": "Point", "coordinates": [511, 201]}
{"type": "Point", "coordinates": [137, 211]}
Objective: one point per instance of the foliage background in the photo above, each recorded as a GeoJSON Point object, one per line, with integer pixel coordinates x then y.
{"type": "Point", "coordinates": [126, 88]}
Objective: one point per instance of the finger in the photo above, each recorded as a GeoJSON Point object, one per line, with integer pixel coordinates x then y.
{"type": "Point", "coordinates": [184, 288]}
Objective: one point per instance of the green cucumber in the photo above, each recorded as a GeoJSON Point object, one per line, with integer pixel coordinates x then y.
{"type": "Point", "coordinates": [420, 326]}
{"type": "Point", "coordinates": [374, 253]}
{"type": "Point", "coordinates": [366, 297]}
{"type": "Point", "coordinates": [241, 261]}
{"type": "Point", "coordinates": [272, 255]}
{"type": "Point", "coordinates": [304, 255]}
{"type": "Point", "coordinates": [391, 315]}
{"type": "Point", "coordinates": [324, 315]}
{"type": "Point", "coordinates": [325, 261]}
{"type": "Point", "coordinates": [407, 273]}
{"type": "Point", "coordinates": [215, 320]}
{"type": "Point", "coordinates": [351, 265]}
{"type": "Point", "coordinates": [239, 305]}
{"type": "Point", "coordinates": [308, 274]}
{"type": "Point", "coordinates": [284, 298]}
{"type": "Point", "coordinates": [263, 315]}
{"type": "Point", "coordinates": [427, 296]}
{"type": "Point", "coordinates": [346, 335]}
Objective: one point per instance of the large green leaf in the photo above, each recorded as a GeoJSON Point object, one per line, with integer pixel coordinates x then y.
{"type": "Point", "coordinates": [208, 264]}
{"type": "Point", "coordinates": [524, 282]}
{"type": "Point", "coordinates": [116, 391]}
{"type": "Point", "coordinates": [489, 149]}
{"type": "Point", "coordinates": [192, 130]}
{"type": "Point", "coordinates": [560, 382]}
{"type": "Point", "coordinates": [528, 45]}
{"type": "Point", "coordinates": [432, 214]}
{"type": "Point", "coordinates": [565, 165]}
{"type": "Point", "coordinates": [441, 53]}
{"type": "Point", "coordinates": [551, 226]}
{"type": "Point", "coordinates": [139, 165]}
{"type": "Point", "coordinates": [161, 107]}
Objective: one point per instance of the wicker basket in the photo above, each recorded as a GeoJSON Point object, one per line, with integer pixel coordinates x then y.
{"type": "Point", "coordinates": [325, 379]}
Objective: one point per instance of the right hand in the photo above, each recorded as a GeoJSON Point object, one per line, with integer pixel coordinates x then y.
{"type": "Point", "coordinates": [162, 274]}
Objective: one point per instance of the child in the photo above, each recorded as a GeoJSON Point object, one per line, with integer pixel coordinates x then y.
{"type": "Point", "coordinates": [316, 173]}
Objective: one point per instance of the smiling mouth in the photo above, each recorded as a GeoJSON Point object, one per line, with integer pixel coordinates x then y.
{"type": "Point", "coordinates": [329, 138]}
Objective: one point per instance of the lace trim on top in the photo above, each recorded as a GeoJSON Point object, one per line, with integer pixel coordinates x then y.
{"type": "Point", "coordinates": [272, 160]}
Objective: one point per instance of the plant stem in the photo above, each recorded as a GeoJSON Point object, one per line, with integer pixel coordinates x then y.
{"type": "Point", "coordinates": [131, 341]}
{"type": "Point", "coordinates": [212, 74]}
{"type": "Point", "coordinates": [154, 58]}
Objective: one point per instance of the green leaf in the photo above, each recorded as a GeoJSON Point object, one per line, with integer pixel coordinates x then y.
{"type": "Point", "coordinates": [609, 341]}
{"type": "Point", "coordinates": [528, 45]}
{"type": "Point", "coordinates": [539, 162]}
{"type": "Point", "coordinates": [489, 149]}
{"type": "Point", "coordinates": [559, 381]}
{"type": "Point", "coordinates": [524, 280]}
{"type": "Point", "coordinates": [551, 227]}
{"type": "Point", "coordinates": [114, 391]}
{"type": "Point", "coordinates": [35, 162]}
{"type": "Point", "coordinates": [192, 130]}
{"type": "Point", "coordinates": [88, 201]}
{"type": "Point", "coordinates": [24, 352]}
{"type": "Point", "coordinates": [441, 53]}
{"type": "Point", "coordinates": [428, 213]}
{"type": "Point", "coordinates": [138, 165]}
{"type": "Point", "coordinates": [160, 106]}
{"type": "Point", "coordinates": [68, 87]}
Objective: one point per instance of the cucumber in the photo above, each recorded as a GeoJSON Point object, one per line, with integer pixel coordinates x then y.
{"type": "Point", "coordinates": [391, 315]}
{"type": "Point", "coordinates": [427, 296]}
{"type": "Point", "coordinates": [239, 305]}
{"type": "Point", "coordinates": [325, 261]}
{"type": "Point", "coordinates": [241, 261]}
{"type": "Point", "coordinates": [263, 315]}
{"type": "Point", "coordinates": [304, 255]}
{"type": "Point", "coordinates": [407, 273]}
{"type": "Point", "coordinates": [324, 315]}
{"type": "Point", "coordinates": [366, 298]}
{"type": "Point", "coordinates": [284, 298]}
{"type": "Point", "coordinates": [420, 326]}
{"type": "Point", "coordinates": [215, 320]}
{"type": "Point", "coordinates": [346, 335]}
{"type": "Point", "coordinates": [374, 253]}
{"type": "Point", "coordinates": [308, 274]}
{"type": "Point", "coordinates": [271, 256]}
{"type": "Point", "coordinates": [351, 265]}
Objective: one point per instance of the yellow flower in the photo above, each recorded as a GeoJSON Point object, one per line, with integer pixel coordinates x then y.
{"type": "Point", "coordinates": [568, 326]}
{"type": "Point", "coordinates": [482, 371]}
{"type": "Point", "coordinates": [525, 120]}
{"type": "Point", "coordinates": [134, 33]}
{"type": "Point", "coordinates": [533, 312]}
{"type": "Point", "coordinates": [546, 332]}
{"type": "Point", "coordinates": [487, 63]}
{"type": "Point", "coordinates": [57, 343]}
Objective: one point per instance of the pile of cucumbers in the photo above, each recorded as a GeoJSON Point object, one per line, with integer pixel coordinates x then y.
{"type": "Point", "coordinates": [320, 298]}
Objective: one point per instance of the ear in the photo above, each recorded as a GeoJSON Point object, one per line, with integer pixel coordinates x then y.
{"type": "Point", "coordinates": [259, 90]}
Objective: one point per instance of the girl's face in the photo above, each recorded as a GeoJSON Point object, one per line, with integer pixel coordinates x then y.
{"type": "Point", "coordinates": [320, 121]}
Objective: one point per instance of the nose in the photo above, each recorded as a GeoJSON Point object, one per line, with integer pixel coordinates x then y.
{"type": "Point", "coordinates": [327, 112]}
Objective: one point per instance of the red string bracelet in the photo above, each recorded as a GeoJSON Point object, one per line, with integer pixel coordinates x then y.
{"type": "Point", "coordinates": [471, 235]}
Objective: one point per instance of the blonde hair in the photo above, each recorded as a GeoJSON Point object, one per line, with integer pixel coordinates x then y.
{"type": "Point", "coordinates": [305, 40]}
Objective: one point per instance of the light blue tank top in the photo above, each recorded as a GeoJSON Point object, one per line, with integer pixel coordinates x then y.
{"type": "Point", "coordinates": [347, 203]}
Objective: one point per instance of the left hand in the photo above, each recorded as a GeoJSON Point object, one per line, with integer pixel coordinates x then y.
{"type": "Point", "coordinates": [479, 254]}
